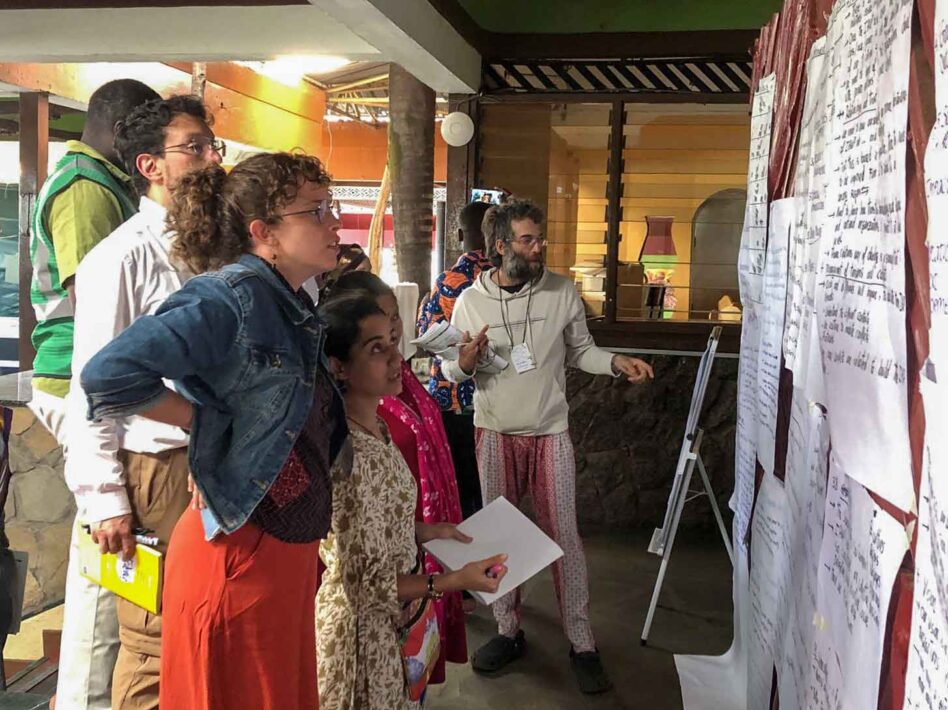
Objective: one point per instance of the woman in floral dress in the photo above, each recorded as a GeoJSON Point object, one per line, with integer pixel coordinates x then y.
{"type": "Point", "coordinates": [414, 421]}
{"type": "Point", "coordinates": [371, 552]}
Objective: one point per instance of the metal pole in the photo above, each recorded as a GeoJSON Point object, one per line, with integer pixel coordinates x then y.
{"type": "Point", "coordinates": [693, 456]}
{"type": "Point", "coordinates": [714, 507]}
{"type": "Point", "coordinates": [440, 224]}
{"type": "Point", "coordinates": [668, 548]}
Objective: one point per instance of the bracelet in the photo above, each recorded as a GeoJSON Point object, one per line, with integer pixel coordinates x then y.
{"type": "Point", "coordinates": [432, 593]}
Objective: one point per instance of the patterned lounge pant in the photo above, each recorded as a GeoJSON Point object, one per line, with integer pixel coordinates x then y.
{"type": "Point", "coordinates": [544, 467]}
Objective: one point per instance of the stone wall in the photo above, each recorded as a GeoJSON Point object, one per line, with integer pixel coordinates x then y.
{"type": "Point", "coordinates": [627, 439]}
{"type": "Point", "coordinates": [39, 510]}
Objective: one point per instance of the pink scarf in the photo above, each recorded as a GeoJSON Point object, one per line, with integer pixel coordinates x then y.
{"type": "Point", "coordinates": [414, 421]}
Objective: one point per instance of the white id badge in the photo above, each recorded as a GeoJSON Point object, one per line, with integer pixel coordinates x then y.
{"type": "Point", "coordinates": [522, 358]}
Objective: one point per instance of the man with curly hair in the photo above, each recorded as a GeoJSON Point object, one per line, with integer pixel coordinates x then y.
{"type": "Point", "coordinates": [535, 320]}
{"type": "Point", "coordinates": [132, 473]}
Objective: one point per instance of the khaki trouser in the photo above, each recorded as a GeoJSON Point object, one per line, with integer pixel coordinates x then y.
{"type": "Point", "coordinates": [158, 493]}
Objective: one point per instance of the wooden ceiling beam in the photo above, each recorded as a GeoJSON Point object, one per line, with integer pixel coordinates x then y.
{"type": "Point", "coordinates": [593, 45]}
{"type": "Point", "coordinates": [330, 89]}
{"type": "Point", "coordinates": [102, 4]}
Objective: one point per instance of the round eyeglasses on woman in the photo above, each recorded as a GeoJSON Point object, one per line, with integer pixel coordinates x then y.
{"type": "Point", "coordinates": [324, 207]}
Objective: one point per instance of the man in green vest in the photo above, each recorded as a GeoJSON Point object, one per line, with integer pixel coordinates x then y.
{"type": "Point", "coordinates": [83, 200]}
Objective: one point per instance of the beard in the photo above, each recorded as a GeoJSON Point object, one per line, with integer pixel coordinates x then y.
{"type": "Point", "coordinates": [517, 268]}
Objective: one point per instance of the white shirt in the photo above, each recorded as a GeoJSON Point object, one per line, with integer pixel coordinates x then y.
{"type": "Point", "coordinates": [127, 275]}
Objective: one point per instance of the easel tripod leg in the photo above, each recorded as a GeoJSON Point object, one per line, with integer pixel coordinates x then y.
{"type": "Point", "coordinates": [715, 509]}
{"type": "Point", "coordinates": [669, 544]}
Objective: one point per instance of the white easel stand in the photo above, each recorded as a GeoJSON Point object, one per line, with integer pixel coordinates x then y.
{"type": "Point", "coordinates": [682, 496]}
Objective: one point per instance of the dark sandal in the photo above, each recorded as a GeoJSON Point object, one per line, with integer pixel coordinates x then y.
{"type": "Point", "coordinates": [591, 676]}
{"type": "Point", "coordinates": [498, 652]}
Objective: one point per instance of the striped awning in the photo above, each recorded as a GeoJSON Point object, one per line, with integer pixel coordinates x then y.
{"type": "Point", "coordinates": [680, 76]}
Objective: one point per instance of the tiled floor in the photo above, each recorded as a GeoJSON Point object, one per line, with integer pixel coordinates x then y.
{"type": "Point", "coordinates": [696, 618]}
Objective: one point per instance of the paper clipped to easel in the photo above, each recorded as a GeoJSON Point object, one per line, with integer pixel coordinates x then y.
{"type": "Point", "coordinates": [499, 528]}
{"type": "Point", "coordinates": [442, 339]}
{"type": "Point", "coordinates": [137, 579]}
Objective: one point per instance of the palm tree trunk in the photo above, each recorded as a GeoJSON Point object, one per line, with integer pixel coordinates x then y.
{"type": "Point", "coordinates": [411, 166]}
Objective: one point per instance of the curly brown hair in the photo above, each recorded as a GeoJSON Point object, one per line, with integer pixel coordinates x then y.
{"type": "Point", "coordinates": [498, 223]}
{"type": "Point", "coordinates": [212, 209]}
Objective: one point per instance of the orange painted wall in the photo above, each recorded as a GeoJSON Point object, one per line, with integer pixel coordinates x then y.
{"type": "Point", "coordinates": [247, 108]}
{"type": "Point", "coordinates": [356, 151]}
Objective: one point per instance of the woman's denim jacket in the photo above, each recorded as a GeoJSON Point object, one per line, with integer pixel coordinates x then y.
{"type": "Point", "coordinates": [245, 350]}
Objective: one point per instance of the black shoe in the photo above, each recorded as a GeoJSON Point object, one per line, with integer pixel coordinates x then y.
{"type": "Point", "coordinates": [498, 652]}
{"type": "Point", "coordinates": [590, 674]}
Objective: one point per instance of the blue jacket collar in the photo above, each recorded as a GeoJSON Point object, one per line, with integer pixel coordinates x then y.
{"type": "Point", "coordinates": [291, 303]}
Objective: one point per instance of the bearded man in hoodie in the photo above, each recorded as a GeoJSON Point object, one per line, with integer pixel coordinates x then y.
{"type": "Point", "coordinates": [534, 319]}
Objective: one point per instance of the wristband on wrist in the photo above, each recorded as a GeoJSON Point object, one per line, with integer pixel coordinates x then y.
{"type": "Point", "coordinates": [432, 593]}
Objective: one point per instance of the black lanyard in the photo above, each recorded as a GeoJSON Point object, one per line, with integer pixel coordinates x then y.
{"type": "Point", "coordinates": [508, 328]}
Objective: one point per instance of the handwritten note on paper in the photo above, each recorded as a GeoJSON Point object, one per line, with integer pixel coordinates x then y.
{"type": "Point", "coordinates": [862, 550]}
{"type": "Point", "coordinates": [783, 216]}
{"type": "Point", "coordinates": [861, 298]}
{"type": "Point", "coordinates": [807, 469]}
{"type": "Point", "coordinates": [936, 190]}
{"type": "Point", "coordinates": [926, 682]}
{"type": "Point", "coordinates": [807, 460]}
{"type": "Point", "coordinates": [751, 257]}
{"type": "Point", "coordinates": [824, 689]}
{"type": "Point", "coordinates": [745, 449]}
{"type": "Point", "coordinates": [810, 188]}
{"type": "Point", "coordinates": [769, 588]}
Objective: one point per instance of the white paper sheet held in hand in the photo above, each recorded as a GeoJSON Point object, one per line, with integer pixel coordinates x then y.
{"type": "Point", "coordinates": [442, 339]}
{"type": "Point", "coordinates": [499, 528]}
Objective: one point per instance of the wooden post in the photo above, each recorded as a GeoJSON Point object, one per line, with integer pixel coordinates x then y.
{"type": "Point", "coordinates": [614, 210]}
{"type": "Point", "coordinates": [34, 155]}
{"type": "Point", "coordinates": [411, 163]}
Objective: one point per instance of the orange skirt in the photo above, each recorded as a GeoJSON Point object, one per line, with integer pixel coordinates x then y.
{"type": "Point", "coordinates": [239, 621]}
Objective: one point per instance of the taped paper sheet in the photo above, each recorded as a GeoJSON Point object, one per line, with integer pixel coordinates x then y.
{"type": "Point", "coordinates": [862, 550]}
{"type": "Point", "coordinates": [783, 217]}
{"type": "Point", "coordinates": [926, 679]}
{"type": "Point", "coordinates": [751, 257]}
{"type": "Point", "coordinates": [936, 190]}
{"type": "Point", "coordinates": [860, 298]}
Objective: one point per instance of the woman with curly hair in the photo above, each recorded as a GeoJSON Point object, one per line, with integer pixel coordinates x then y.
{"type": "Point", "coordinates": [243, 347]}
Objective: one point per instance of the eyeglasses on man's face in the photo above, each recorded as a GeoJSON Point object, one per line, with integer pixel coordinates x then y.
{"type": "Point", "coordinates": [199, 147]}
{"type": "Point", "coordinates": [530, 241]}
{"type": "Point", "coordinates": [325, 207]}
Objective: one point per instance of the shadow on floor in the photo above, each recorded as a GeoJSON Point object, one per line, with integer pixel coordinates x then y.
{"type": "Point", "coordinates": [694, 616]}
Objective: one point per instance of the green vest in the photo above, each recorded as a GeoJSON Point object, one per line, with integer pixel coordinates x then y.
{"type": "Point", "coordinates": [53, 334]}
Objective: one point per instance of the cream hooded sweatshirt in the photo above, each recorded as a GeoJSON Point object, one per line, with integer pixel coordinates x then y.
{"type": "Point", "coordinates": [532, 403]}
